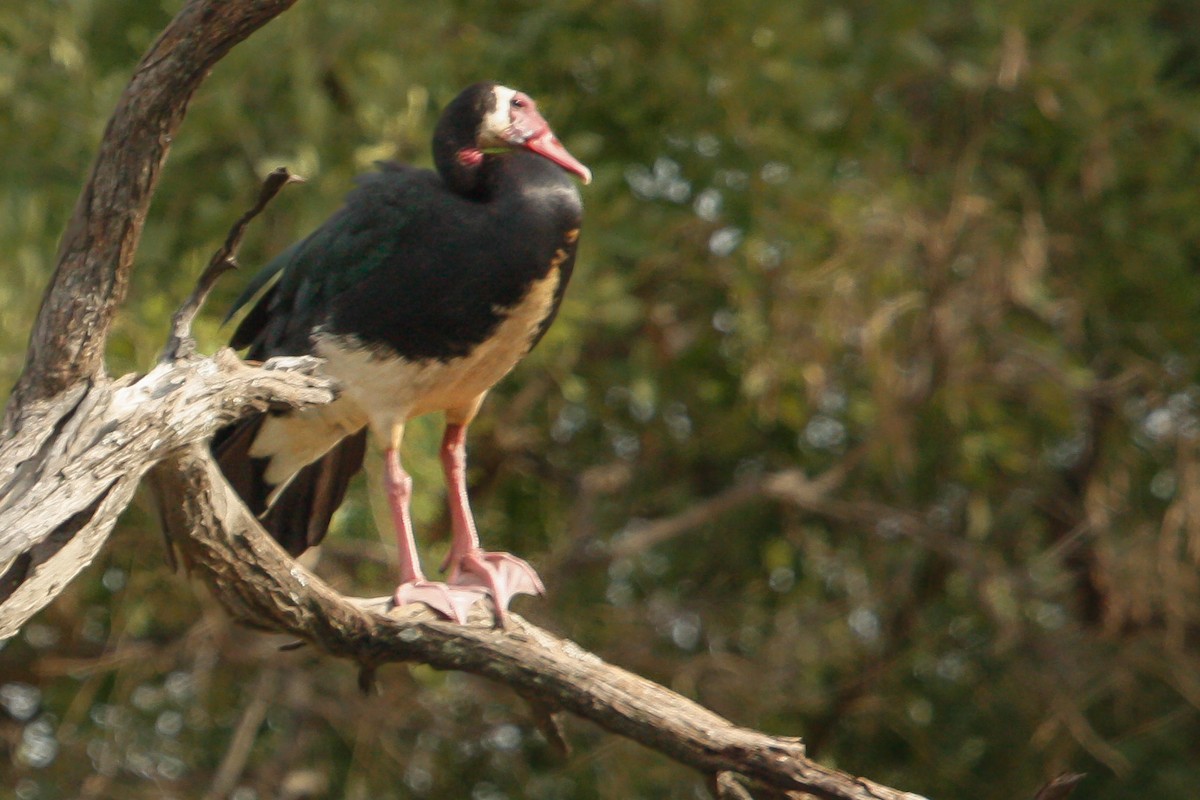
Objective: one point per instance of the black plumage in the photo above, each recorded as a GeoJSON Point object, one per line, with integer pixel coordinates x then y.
{"type": "Point", "coordinates": [421, 292]}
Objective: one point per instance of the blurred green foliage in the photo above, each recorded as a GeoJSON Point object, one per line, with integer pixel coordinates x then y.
{"type": "Point", "coordinates": [947, 249]}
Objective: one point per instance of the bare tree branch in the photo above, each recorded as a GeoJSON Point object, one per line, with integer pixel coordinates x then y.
{"type": "Point", "coordinates": [181, 344]}
{"type": "Point", "coordinates": [68, 478]}
{"type": "Point", "coordinates": [75, 444]}
{"type": "Point", "coordinates": [1061, 787]}
{"type": "Point", "coordinates": [726, 787]}
{"type": "Point", "coordinates": [95, 256]}
{"type": "Point", "coordinates": [790, 486]}
{"type": "Point", "coordinates": [238, 753]}
{"type": "Point", "coordinates": [260, 585]}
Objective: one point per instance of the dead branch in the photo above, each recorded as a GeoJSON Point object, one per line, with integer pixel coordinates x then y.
{"type": "Point", "coordinates": [261, 586]}
{"type": "Point", "coordinates": [95, 256]}
{"type": "Point", "coordinates": [181, 344]}
{"type": "Point", "coordinates": [1061, 787]}
{"type": "Point", "coordinates": [75, 444]}
{"type": "Point", "coordinates": [68, 477]}
{"type": "Point", "coordinates": [788, 486]}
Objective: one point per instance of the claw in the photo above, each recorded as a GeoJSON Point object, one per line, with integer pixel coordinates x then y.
{"type": "Point", "coordinates": [452, 602]}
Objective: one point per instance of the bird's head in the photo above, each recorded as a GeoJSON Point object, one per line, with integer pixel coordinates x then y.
{"type": "Point", "coordinates": [489, 118]}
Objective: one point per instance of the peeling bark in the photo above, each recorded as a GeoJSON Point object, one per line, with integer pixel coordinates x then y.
{"type": "Point", "coordinates": [69, 476]}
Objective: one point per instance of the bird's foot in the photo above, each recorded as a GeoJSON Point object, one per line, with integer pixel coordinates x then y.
{"type": "Point", "coordinates": [452, 602]}
{"type": "Point", "coordinates": [500, 574]}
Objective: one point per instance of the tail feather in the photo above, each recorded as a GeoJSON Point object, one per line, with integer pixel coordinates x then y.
{"type": "Point", "coordinates": [299, 517]}
{"type": "Point", "coordinates": [232, 446]}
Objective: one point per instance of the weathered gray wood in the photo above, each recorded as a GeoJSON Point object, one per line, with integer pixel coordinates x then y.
{"type": "Point", "coordinates": [77, 469]}
{"type": "Point", "coordinates": [96, 252]}
{"type": "Point", "coordinates": [74, 444]}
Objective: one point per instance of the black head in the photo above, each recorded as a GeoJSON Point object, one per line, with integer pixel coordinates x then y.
{"type": "Point", "coordinates": [486, 118]}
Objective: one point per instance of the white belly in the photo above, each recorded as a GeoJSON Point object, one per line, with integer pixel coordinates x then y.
{"type": "Point", "coordinates": [391, 390]}
{"type": "Point", "coordinates": [384, 390]}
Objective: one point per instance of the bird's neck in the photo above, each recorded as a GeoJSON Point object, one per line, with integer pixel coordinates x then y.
{"type": "Point", "coordinates": [526, 183]}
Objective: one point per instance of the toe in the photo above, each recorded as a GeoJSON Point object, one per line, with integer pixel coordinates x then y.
{"type": "Point", "coordinates": [452, 602]}
{"type": "Point", "coordinates": [501, 574]}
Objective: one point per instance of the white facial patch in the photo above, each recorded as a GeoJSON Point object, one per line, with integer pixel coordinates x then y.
{"type": "Point", "coordinates": [496, 123]}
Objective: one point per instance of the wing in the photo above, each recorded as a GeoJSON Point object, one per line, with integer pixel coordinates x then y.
{"type": "Point", "coordinates": [367, 232]}
{"type": "Point", "coordinates": [307, 276]}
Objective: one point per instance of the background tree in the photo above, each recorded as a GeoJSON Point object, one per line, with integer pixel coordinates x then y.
{"type": "Point", "coordinates": [939, 260]}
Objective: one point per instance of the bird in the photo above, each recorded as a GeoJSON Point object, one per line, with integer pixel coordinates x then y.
{"type": "Point", "coordinates": [419, 294]}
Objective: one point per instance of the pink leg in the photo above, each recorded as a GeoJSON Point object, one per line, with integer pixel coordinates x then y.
{"type": "Point", "coordinates": [451, 602]}
{"type": "Point", "coordinates": [501, 574]}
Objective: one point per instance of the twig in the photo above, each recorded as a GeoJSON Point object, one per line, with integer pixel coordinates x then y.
{"type": "Point", "coordinates": [234, 761]}
{"type": "Point", "coordinates": [788, 486]}
{"type": "Point", "coordinates": [725, 786]}
{"type": "Point", "coordinates": [181, 344]}
{"type": "Point", "coordinates": [549, 724]}
{"type": "Point", "coordinates": [1061, 787]}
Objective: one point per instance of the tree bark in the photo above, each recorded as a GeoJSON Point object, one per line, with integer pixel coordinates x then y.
{"type": "Point", "coordinates": [74, 444]}
{"type": "Point", "coordinates": [259, 584]}
{"type": "Point", "coordinates": [95, 256]}
{"type": "Point", "coordinates": [71, 470]}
